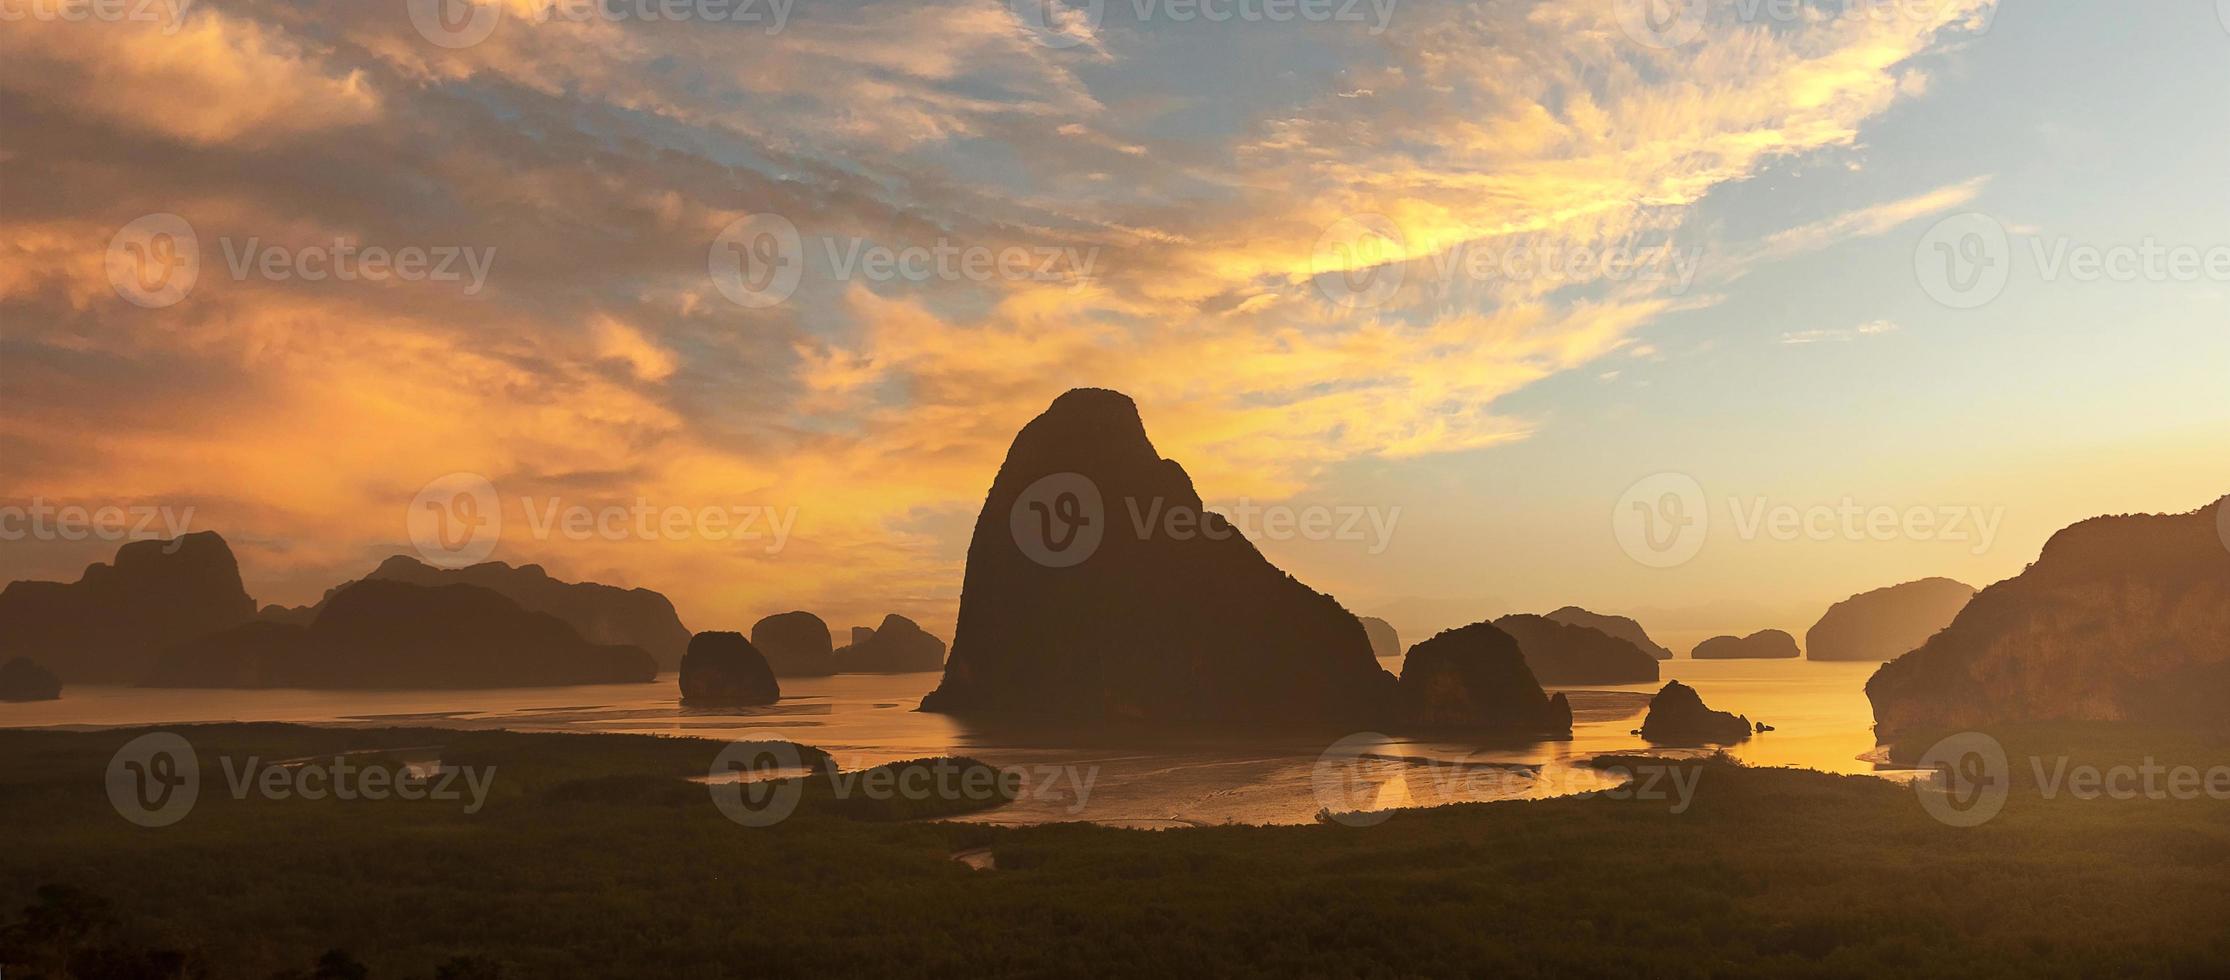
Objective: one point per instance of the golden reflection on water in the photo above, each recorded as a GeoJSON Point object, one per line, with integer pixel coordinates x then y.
{"type": "Point", "coordinates": [1819, 710]}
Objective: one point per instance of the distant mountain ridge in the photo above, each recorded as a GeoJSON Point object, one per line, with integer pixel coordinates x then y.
{"type": "Point", "coordinates": [601, 613]}
{"type": "Point", "coordinates": [384, 633]}
{"type": "Point", "coordinates": [1622, 627]}
{"type": "Point", "coordinates": [1886, 623]}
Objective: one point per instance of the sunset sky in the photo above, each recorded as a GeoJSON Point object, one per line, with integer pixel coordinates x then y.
{"type": "Point", "coordinates": [1207, 173]}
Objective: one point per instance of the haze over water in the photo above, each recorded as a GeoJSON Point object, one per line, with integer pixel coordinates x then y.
{"type": "Point", "coordinates": [1819, 711]}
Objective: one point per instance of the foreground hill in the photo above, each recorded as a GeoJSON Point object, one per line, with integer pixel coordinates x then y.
{"type": "Point", "coordinates": [107, 626]}
{"type": "Point", "coordinates": [1071, 610]}
{"type": "Point", "coordinates": [2120, 619]}
{"type": "Point", "coordinates": [595, 857]}
{"type": "Point", "coordinates": [1886, 623]}
{"type": "Point", "coordinates": [383, 633]}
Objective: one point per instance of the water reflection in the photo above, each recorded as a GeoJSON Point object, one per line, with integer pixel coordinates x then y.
{"type": "Point", "coordinates": [1138, 778]}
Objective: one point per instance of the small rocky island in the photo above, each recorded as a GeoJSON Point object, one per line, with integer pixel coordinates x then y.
{"type": "Point", "coordinates": [723, 668]}
{"type": "Point", "coordinates": [1678, 716]}
{"type": "Point", "coordinates": [1568, 655]}
{"type": "Point", "coordinates": [22, 679]}
{"type": "Point", "coordinates": [1475, 678]}
{"type": "Point", "coordinates": [1761, 645]}
{"type": "Point", "coordinates": [796, 644]}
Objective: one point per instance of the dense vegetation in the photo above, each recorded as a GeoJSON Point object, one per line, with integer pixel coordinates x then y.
{"type": "Point", "coordinates": [594, 858]}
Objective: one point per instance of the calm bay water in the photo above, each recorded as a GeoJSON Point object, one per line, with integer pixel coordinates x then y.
{"type": "Point", "coordinates": [1819, 709]}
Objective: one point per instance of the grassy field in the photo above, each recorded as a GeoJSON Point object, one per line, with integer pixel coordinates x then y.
{"type": "Point", "coordinates": [591, 857]}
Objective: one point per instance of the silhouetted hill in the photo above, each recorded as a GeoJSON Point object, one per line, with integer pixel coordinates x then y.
{"type": "Point", "coordinates": [382, 633]}
{"type": "Point", "coordinates": [721, 667]}
{"type": "Point", "coordinates": [1385, 642]}
{"type": "Point", "coordinates": [899, 646]}
{"type": "Point", "coordinates": [1172, 616]}
{"type": "Point", "coordinates": [2120, 619]}
{"type": "Point", "coordinates": [1678, 716]}
{"type": "Point", "coordinates": [22, 679]}
{"type": "Point", "coordinates": [1886, 623]}
{"type": "Point", "coordinates": [1618, 626]}
{"type": "Point", "coordinates": [797, 644]}
{"type": "Point", "coordinates": [108, 625]}
{"type": "Point", "coordinates": [1761, 645]}
{"type": "Point", "coordinates": [1566, 655]}
{"type": "Point", "coordinates": [600, 613]}
{"type": "Point", "coordinates": [1475, 678]}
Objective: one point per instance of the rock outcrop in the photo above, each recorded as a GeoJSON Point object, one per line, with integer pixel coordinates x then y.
{"type": "Point", "coordinates": [1568, 655]}
{"type": "Point", "coordinates": [1618, 626]}
{"type": "Point", "coordinates": [381, 633]}
{"type": "Point", "coordinates": [1761, 645]}
{"type": "Point", "coordinates": [1887, 623]}
{"type": "Point", "coordinates": [797, 644]}
{"type": "Point", "coordinates": [1678, 716]}
{"type": "Point", "coordinates": [723, 668]}
{"type": "Point", "coordinates": [1384, 641]}
{"type": "Point", "coordinates": [2120, 619]}
{"type": "Point", "coordinates": [1099, 590]}
{"type": "Point", "coordinates": [22, 679]}
{"type": "Point", "coordinates": [108, 625]}
{"type": "Point", "coordinates": [899, 646]}
{"type": "Point", "coordinates": [1474, 677]}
